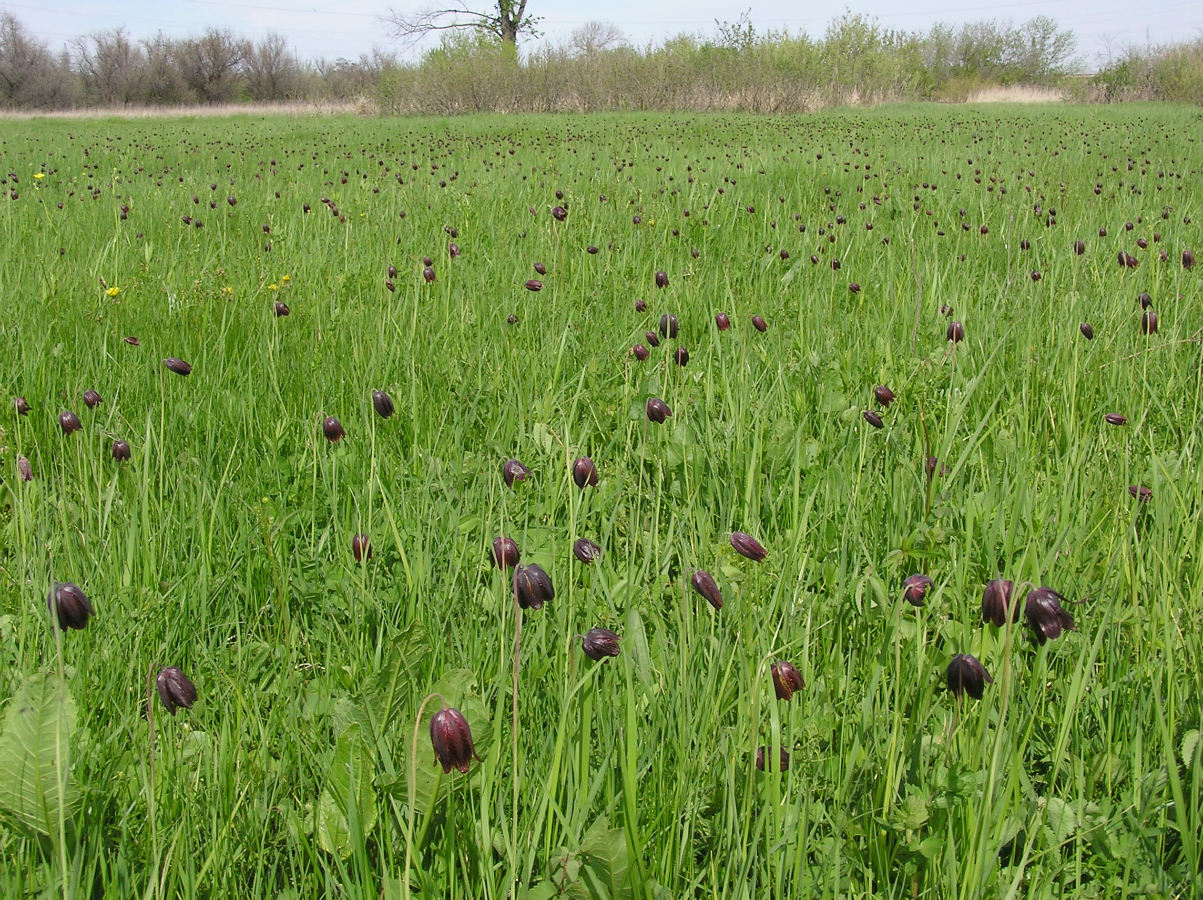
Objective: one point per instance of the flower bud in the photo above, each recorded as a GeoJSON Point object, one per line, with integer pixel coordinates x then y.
{"type": "Point", "coordinates": [69, 421]}
{"type": "Point", "coordinates": [681, 357]}
{"type": "Point", "coordinates": [783, 760]}
{"type": "Point", "coordinates": [746, 545]}
{"type": "Point", "coordinates": [584, 472]}
{"type": "Point", "coordinates": [1045, 615]}
{"type": "Point", "coordinates": [361, 547]}
{"type": "Point", "coordinates": [872, 418]}
{"type": "Point", "coordinates": [512, 471]}
{"type": "Point", "coordinates": [585, 550]}
{"type": "Point", "coordinates": [600, 643]}
{"type": "Point", "coordinates": [1087, 331]}
{"type": "Point", "coordinates": [653, 339]}
{"type": "Point", "coordinates": [70, 605]}
{"type": "Point", "coordinates": [1079, 247]}
{"type": "Point", "coordinates": [787, 680]}
{"type": "Point", "coordinates": [532, 586]}
{"type": "Point", "coordinates": [722, 321]}
{"type": "Point", "coordinates": [661, 279]}
{"type": "Point", "coordinates": [120, 450]}
{"type": "Point", "coordinates": [428, 274]}
{"type": "Point", "coordinates": [883, 395]}
{"type": "Point", "coordinates": [452, 740]}
{"type": "Point", "coordinates": [92, 399]}
{"type": "Point", "coordinates": [997, 605]}
{"type": "Point", "coordinates": [176, 690]}
{"type": "Point", "coordinates": [759, 323]}
{"type": "Point", "coordinates": [640, 352]}
{"type": "Point", "coordinates": [966, 675]}
{"type": "Point", "coordinates": [657, 410]}
{"type": "Point", "coordinates": [1148, 322]}
{"type": "Point", "coordinates": [668, 325]}
{"type": "Point", "coordinates": [383, 404]}
{"type": "Point", "coordinates": [703, 583]}
{"type": "Point", "coordinates": [1188, 259]}
{"type": "Point", "coordinates": [333, 429]}
{"type": "Point", "coordinates": [131, 340]}
{"type": "Point", "coordinates": [540, 268]}
{"type": "Point", "coordinates": [178, 366]}
{"type": "Point", "coordinates": [534, 285]}
{"type": "Point", "coordinates": [915, 588]}
{"type": "Point", "coordinates": [1115, 419]}
{"type": "Point", "coordinates": [505, 552]}
{"type": "Point", "coordinates": [1140, 492]}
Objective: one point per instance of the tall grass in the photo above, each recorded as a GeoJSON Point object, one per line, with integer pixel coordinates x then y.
{"type": "Point", "coordinates": [224, 545]}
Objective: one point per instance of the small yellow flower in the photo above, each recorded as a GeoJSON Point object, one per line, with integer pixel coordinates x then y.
{"type": "Point", "coordinates": [227, 290]}
{"type": "Point", "coordinates": [113, 291]}
{"type": "Point", "coordinates": [286, 279]}
{"type": "Point", "coordinates": [273, 287]}
{"type": "Point", "coordinates": [39, 175]}
{"type": "Point", "coordinates": [651, 221]}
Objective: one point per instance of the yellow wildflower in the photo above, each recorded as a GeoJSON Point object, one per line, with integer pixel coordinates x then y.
{"type": "Point", "coordinates": [39, 175]}
{"type": "Point", "coordinates": [113, 291]}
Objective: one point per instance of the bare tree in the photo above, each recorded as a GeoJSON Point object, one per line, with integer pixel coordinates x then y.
{"type": "Point", "coordinates": [209, 65]}
{"type": "Point", "coordinates": [271, 70]}
{"type": "Point", "coordinates": [29, 75]}
{"type": "Point", "coordinates": [111, 69]}
{"type": "Point", "coordinates": [595, 37]}
{"type": "Point", "coordinates": [506, 20]}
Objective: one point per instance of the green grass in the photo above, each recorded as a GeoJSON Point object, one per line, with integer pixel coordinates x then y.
{"type": "Point", "coordinates": [224, 545]}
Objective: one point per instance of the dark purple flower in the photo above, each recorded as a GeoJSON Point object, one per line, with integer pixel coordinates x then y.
{"type": "Point", "coordinates": [1188, 259]}
{"type": "Point", "coordinates": [787, 680]}
{"type": "Point", "coordinates": [746, 545]}
{"type": "Point", "coordinates": [120, 450]}
{"type": "Point", "coordinates": [657, 410]}
{"type": "Point", "coordinates": [585, 550]}
{"type": "Point", "coordinates": [1115, 419]}
{"type": "Point", "coordinates": [966, 675]}
{"type": "Point", "coordinates": [723, 321]}
{"type": "Point", "coordinates": [640, 306]}
{"type": "Point", "coordinates": [70, 605]}
{"type": "Point", "coordinates": [428, 274]}
{"type": "Point", "coordinates": [1145, 299]}
{"type": "Point", "coordinates": [281, 309]}
{"type": "Point", "coordinates": [661, 279]}
{"type": "Point", "coordinates": [92, 399]}
{"type": "Point", "coordinates": [653, 339]}
{"type": "Point", "coordinates": [22, 406]}
{"type": "Point", "coordinates": [505, 552]}
{"type": "Point", "coordinates": [759, 323]}
{"type": "Point", "coordinates": [914, 589]}
{"type": "Point", "coordinates": [668, 325]}
{"type": "Point", "coordinates": [883, 395]}
{"type": "Point", "coordinates": [512, 470]}
{"type": "Point", "coordinates": [783, 760]}
{"type": "Point", "coordinates": [178, 366]}
{"type": "Point", "coordinates": [584, 472]}
{"type": "Point", "coordinates": [540, 269]}
{"type": "Point", "coordinates": [1045, 615]}
{"type": "Point", "coordinates": [1087, 331]}
{"type": "Point", "coordinates": [1148, 322]}
{"type": "Point", "coordinates": [24, 469]}
{"type": "Point", "coordinates": [997, 605]}
{"type": "Point", "coordinates": [534, 284]}
{"type": "Point", "coordinates": [559, 213]}
{"type": "Point", "coordinates": [69, 421]}
{"type": "Point", "coordinates": [176, 689]}
{"type": "Point", "coordinates": [1079, 247]}
{"type": "Point", "coordinates": [854, 288]}
{"type": "Point", "coordinates": [955, 332]}
{"type": "Point", "coordinates": [703, 583]}
{"type": "Point", "coordinates": [532, 586]}
{"type": "Point", "coordinates": [1140, 492]}
{"type": "Point", "coordinates": [640, 352]}
{"type": "Point", "coordinates": [872, 418]}
{"type": "Point", "coordinates": [383, 404]}
{"type": "Point", "coordinates": [453, 250]}
{"type": "Point", "coordinates": [361, 547]}
{"type": "Point", "coordinates": [681, 357]}
{"type": "Point", "coordinates": [600, 643]}
{"type": "Point", "coordinates": [333, 429]}
{"type": "Point", "coordinates": [452, 740]}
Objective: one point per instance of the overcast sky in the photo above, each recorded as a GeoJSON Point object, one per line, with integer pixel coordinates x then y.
{"type": "Point", "coordinates": [350, 27]}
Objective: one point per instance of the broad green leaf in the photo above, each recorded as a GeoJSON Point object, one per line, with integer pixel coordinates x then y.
{"type": "Point", "coordinates": [35, 754]}
{"type": "Point", "coordinates": [604, 850]}
{"type": "Point", "coordinates": [347, 806]}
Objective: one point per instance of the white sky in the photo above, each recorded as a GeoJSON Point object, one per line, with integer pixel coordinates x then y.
{"type": "Point", "coordinates": [348, 28]}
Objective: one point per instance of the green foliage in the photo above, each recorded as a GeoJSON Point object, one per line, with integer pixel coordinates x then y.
{"type": "Point", "coordinates": [223, 545]}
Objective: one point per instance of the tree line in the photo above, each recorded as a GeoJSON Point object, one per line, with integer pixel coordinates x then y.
{"type": "Point", "coordinates": [736, 68]}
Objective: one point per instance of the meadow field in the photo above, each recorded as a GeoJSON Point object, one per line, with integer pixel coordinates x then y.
{"type": "Point", "coordinates": [757, 372]}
